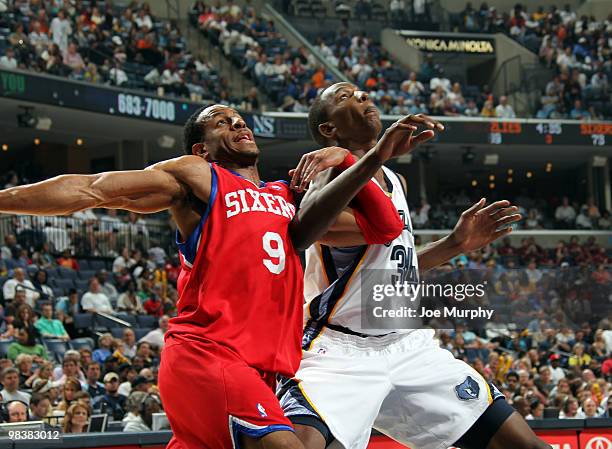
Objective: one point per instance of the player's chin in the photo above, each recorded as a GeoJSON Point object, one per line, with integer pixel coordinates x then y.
{"type": "Point", "coordinates": [246, 147]}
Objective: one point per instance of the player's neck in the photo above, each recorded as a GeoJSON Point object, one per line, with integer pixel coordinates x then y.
{"type": "Point", "coordinates": [249, 173]}
{"type": "Point", "coordinates": [358, 149]}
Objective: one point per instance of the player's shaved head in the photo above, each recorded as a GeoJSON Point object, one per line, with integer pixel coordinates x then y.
{"type": "Point", "coordinates": [218, 133]}
{"type": "Point", "coordinates": [332, 118]}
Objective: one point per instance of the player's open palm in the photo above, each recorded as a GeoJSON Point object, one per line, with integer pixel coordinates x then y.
{"type": "Point", "coordinates": [314, 163]}
{"type": "Point", "coordinates": [479, 225]}
{"type": "Point", "coordinates": [400, 137]}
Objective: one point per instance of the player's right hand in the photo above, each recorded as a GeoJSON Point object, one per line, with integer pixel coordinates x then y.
{"type": "Point", "coordinates": [314, 163]}
{"type": "Point", "coordinates": [399, 138]}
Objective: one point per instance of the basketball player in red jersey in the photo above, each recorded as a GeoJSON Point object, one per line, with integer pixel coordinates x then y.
{"type": "Point", "coordinates": [240, 308]}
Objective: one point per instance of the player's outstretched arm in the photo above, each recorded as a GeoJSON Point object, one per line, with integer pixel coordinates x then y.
{"type": "Point", "coordinates": [153, 189]}
{"type": "Point", "coordinates": [477, 227]}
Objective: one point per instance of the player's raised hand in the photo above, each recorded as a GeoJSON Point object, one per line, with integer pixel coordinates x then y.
{"type": "Point", "coordinates": [400, 139]}
{"type": "Point", "coordinates": [479, 225]}
{"type": "Point", "coordinates": [314, 163]}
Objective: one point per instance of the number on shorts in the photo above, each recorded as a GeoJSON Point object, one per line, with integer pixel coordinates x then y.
{"type": "Point", "coordinates": [273, 246]}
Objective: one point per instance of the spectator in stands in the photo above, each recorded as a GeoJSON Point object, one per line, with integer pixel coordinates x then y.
{"type": "Point", "coordinates": [129, 343]}
{"type": "Point", "coordinates": [10, 243]}
{"type": "Point", "coordinates": [570, 409]}
{"type": "Point", "coordinates": [66, 308]}
{"type": "Point", "coordinates": [579, 358]}
{"type": "Point", "coordinates": [93, 386]}
{"type": "Point", "coordinates": [578, 112]}
{"type": "Point", "coordinates": [503, 109]}
{"type": "Point", "coordinates": [565, 215]}
{"type": "Point", "coordinates": [583, 221]}
{"type": "Point", "coordinates": [141, 383]}
{"type": "Point", "coordinates": [106, 287]}
{"type": "Point", "coordinates": [144, 354]}
{"type": "Point", "coordinates": [43, 258]}
{"type": "Point", "coordinates": [44, 372]}
{"type": "Point", "coordinates": [111, 402]}
{"type": "Point", "coordinates": [26, 344]}
{"type": "Point", "coordinates": [76, 418]}
{"type": "Point", "coordinates": [17, 411]}
{"type": "Point", "coordinates": [70, 370]}
{"type": "Point", "coordinates": [129, 302]}
{"type": "Point", "coordinates": [60, 29]}
{"type": "Point", "coordinates": [49, 327]}
{"type": "Point", "coordinates": [40, 284]}
{"type": "Point", "coordinates": [23, 363]}
{"type": "Point", "coordinates": [10, 383]}
{"type": "Point", "coordinates": [123, 261]}
{"type": "Point", "coordinates": [133, 421]}
{"type": "Point", "coordinates": [94, 300]}
{"type": "Point", "coordinates": [20, 281]}
{"type": "Point", "coordinates": [156, 336]}
{"type": "Point", "coordinates": [154, 305]}
{"type": "Point", "coordinates": [488, 110]}
{"type": "Point", "coordinates": [73, 59]}
{"type": "Point", "coordinates": [104, 345]}
{"type": "Point", "coordinates": [67, 260]}
{"type": "Point", "coordinates": [40, 406]}
{"type": "Point", "coordinates": [71, 386]}
{"type": "Point", "coordinates": [8, 60]}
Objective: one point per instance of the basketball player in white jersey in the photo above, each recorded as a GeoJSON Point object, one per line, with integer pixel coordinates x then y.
{"type": "Point", "coordinates": [398, 381]}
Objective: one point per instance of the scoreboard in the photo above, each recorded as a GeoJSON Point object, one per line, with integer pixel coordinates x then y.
{"type": "Point", "coordinates": [139, 105]}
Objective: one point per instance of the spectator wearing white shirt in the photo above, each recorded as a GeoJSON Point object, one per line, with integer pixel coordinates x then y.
{"type": "Point", "coordinates": [38, 39]}
{"type": "Point", "coordinates": [60, 29]}
{"type": "Point", "coordinates": [503, 109]}
{"type": "Point", "coordinates": [94, 300]}
{"type": "Point", "coordinates": [19, 278]}
{"type": "Point", "coordinates": [156, 336]}
{"type": "Point", "coordinates": [117, 76]}
{"type": "Point", "coordinates": [143, 20]}
{"type": "Point", "coordinates": [123, 261]}
{"type": "Point", "coordinates": [565, 214]}
{"type": "Point", "coordinates": [8, 61]}
{"type": "Point", "coordinates": [413, 86]}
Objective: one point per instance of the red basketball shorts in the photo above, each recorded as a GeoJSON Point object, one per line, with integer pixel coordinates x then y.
{"type": "Point", "coordinates": [211, 396]}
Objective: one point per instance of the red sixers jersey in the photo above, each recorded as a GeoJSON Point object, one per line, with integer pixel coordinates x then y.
{"type": "Point", "coordinates": [242, 283]}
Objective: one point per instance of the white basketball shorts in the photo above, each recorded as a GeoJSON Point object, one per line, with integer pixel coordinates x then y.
{"type": "Point", "coordinates": [403, 385]}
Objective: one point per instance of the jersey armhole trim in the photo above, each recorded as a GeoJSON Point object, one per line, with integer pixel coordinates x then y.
{"type": "Point", "coordinates": [189, 248]}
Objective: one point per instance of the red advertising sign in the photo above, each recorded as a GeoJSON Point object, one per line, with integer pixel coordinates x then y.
{"type": "Point", "coordinates": [560, 439]}
{"type": "Point", "coordinates": [596, 438]}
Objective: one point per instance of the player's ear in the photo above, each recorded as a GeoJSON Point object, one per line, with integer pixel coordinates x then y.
{"type": "Point", "coordinates": [328, 130]}
{"type": "Point", "coordinates": [199, 149]}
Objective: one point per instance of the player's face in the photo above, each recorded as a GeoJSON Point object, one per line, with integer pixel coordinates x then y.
{"type": "Point", "coordinates": [227, 137]}
{"type": "Point", "coordinates": [352, 113]}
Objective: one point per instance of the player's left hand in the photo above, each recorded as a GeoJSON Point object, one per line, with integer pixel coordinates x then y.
{"type": "Point", "coordinates": [314, 163]}
{"type": "Point", "coordinates": [479, 225]}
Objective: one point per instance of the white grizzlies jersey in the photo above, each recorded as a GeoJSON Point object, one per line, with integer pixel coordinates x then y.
{"type": "Point", "coordinates": [333, 276]}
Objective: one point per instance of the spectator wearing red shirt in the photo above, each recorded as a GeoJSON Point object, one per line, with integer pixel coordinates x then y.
{"type": "Point", "coordinates": [66, 260]}
{"type": "Point", "coordinates": [154, 306]}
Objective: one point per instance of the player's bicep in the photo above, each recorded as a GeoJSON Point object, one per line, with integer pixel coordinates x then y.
{"type": "Point", "coordinates": [136, 190]}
